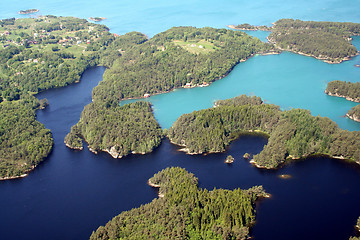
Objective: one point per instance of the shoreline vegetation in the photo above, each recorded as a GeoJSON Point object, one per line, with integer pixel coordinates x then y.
{"type": "Point", "coordinates": [186, 211]}
{"type": "Point", "coordinates": [293, 134]}
{"type": "Point", "coordinates": [29, 11]}
{"type": "Point", "coordinates": [349, 91]}
{"type": "Point", "coordinates": [326, 41]}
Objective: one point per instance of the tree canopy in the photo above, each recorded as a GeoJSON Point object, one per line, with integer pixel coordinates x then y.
{"type": "Point", "coordinates": [329, 41]}
{"type": "Point", "coordinates": [186, 212]}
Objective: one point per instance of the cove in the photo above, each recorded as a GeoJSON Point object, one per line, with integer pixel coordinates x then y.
{"type": "Point", "coordinates": [288, 80]}
{"type": "Point", "coordinates": [73, 192]}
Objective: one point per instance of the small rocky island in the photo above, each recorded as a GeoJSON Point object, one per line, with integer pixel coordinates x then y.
{"type": "Point", "coordinates": [29, 11]}
{"type": "Point", "coordinates": [96, 19]}
{"type": "Point", "coordinates": [229, 159]}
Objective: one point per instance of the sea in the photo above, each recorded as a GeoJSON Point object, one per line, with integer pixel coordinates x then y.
{"type": "Point", "coordinates": [72, 193]}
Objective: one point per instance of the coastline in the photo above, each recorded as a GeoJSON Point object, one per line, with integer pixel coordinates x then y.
{"type": "Point", "coordinates": [16, 177]}
{"type": "Point", "coordinates": [160, 195]}
{"type": "Point", "coordinates": [324, 59]}
{"type": "Point", "coordinates": [254, 163]}
{"type": "Point", "coordinates": [342, 96]}
{"type": "Point", "coordinates": [201, 85]}
{"type": "Point", "coordinates": [353, 117]}
{"type": "Point", "coordinates": [256, 28]}
{"type": "Point", "coordinates": [74, 148]}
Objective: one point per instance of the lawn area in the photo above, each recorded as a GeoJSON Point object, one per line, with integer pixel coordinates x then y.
{"type": "Point", "coordinates": [196, 47]}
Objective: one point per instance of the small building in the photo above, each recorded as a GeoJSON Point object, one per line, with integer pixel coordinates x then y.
{"type": "Point", "coordinates": [146, 95]}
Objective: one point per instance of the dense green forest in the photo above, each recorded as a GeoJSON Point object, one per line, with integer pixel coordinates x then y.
{"type": "Point", "coordinates": [118, 130]}
{"type": "Point", "coordinates": [329, 41]}
{"type": "Point", "coordinates": [348, 90]}
{"type": "Point", "coordinates": [211, 130]}
{"type": "Point", "coordinates": [24, 142]}
{"type": "Point", "coordinates": [186, 212]}
{"type": "Point", "coordinates": [292, 134]}
{"type": "Point", "coordinates": [173, 58]}
{"type": "Point", "coordinates": [38, 54]}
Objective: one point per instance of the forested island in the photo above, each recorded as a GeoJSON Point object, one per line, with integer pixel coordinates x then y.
{"type": "Point", "coordinates": [349, 91]}
{"type": "Point", "coordinates": [184, 211]}
{"type": "Point", "coordinates": [327, 41]}
{"type": "Point", "coordinates": [292, 134]}
{"type": "Point", "coordinates": [29, 11]}
{"type": "Point", "coordinates": [37, 54]}
{"type": "Point", "coordinates": [130, 129]}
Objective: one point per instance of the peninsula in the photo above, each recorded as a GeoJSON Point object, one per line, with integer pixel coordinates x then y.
{"type": "Point", "coordinates": [293, 134]}
{"type": "Point", "coordinates": [186, 212]}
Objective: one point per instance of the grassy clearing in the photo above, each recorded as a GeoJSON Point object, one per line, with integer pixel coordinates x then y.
{"type": "Point", "coordinates": [196, 47]}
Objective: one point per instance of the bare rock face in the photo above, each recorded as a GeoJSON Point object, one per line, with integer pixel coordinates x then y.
{"type": "Point", "coordinates": [113, 152]}
{"type": "Point", "coordinates": [353, 117]}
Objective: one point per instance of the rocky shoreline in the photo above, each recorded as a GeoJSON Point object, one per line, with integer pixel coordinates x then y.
{"type": "Point", "coordinates": [160, 195]}
{"type": "Point", "coordinates": [353, 117]}
{"type": "Point", "coordinates": [252, 161]}
{"type": "Point", "coordinates": [342, 96]}
{"type": "Point", "coordinates": [16, 177]}
{"type": "Point", "coordinates": [74, 148]}
{"type": "Point", "coordinates": [324, 59]}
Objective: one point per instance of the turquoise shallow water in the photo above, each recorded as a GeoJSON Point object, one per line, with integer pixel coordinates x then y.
{"type": "Point", "coordinates": [151, 17]}
{"type": "Point", "coordinates": [287, 79]}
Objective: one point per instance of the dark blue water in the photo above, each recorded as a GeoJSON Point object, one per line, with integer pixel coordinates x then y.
{"type": "Point", "coordinates": [73, 192]}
